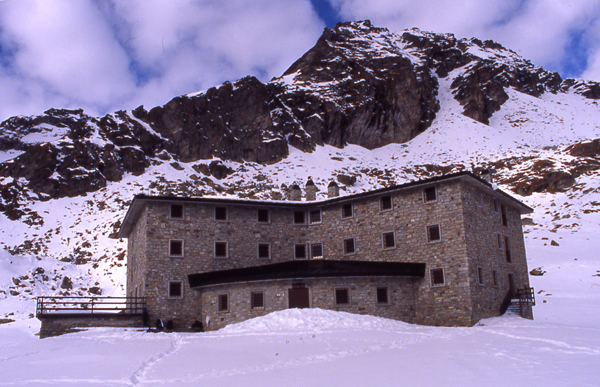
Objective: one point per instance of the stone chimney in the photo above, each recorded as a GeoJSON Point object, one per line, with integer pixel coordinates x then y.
{"type": "Point", "coordinates": [311, 190]}
{"type": "Point", "coordinates": [333, 190]}
{"type": "Point", "coordinates": [486, 175]}
{"type": "Point", "coordinates": [295, 193]}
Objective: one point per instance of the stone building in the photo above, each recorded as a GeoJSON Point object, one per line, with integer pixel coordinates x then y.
{"type": "Point", "coordinates": [443, 251]}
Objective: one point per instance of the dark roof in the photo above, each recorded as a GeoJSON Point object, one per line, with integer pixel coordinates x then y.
{"type": "Point", "coordinates": [308, 269]}
{"type": "Point", "coordinates": [139, 200]}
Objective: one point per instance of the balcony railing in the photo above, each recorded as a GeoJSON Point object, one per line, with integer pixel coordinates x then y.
{"type": "Point", "coordinates": [48, 305]}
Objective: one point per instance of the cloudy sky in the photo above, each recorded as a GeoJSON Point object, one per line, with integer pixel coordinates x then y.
{"type": "Point", "coordinates": [106, 55]}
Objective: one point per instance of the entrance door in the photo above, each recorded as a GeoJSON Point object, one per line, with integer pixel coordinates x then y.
{"type": "Point", "coordinates": [298, 298]}
{"type": "Point", "coordinates": [511, 286]}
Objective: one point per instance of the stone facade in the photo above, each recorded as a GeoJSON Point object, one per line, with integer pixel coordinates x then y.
{"type": "Point", "coordinates": [452, 224]}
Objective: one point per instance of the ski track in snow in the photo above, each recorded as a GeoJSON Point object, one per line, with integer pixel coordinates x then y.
{"type": "Point", "coordinates": [137, 378]}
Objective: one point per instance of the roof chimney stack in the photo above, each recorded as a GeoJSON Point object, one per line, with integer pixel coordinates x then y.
{"type": "Point", "coordinates": [486, 175]}
{"type": "Point", "coordinates": [295, 193]}
{"type": "Point", "coordinates": [311, 190]}
{"type": "Point", "coordinates": [333, 190]}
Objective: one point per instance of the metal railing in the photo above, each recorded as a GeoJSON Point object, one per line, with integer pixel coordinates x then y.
{"type": "Point", "coordinates": [47, 305]}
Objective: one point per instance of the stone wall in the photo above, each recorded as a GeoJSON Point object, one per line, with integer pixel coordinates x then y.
{"type": "Point", "coordinates": [59, 324]}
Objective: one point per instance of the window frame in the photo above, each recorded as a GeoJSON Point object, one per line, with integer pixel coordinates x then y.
{"type": "Point", "coordinates": [255, 293]}
{"type": "Point", "coordinates": [384, 240]}
{"type": "Point", "coordinates": [503, 215]}
{"type": "Point", "coordinates": [226, 209]}
{"type": "Point", "coordinates": [432, 278]}
{"type": "Point", "coordinates": [310, 216]}
{"type": "Point", "coordinates": [381, 201]}
{"type": "Point", "coordinates": [336, 298]}
{"type": "Point", "coordinates": [174, 282]}
{"type": "Point", "coordinates": [303, 212]}
{"type": "Point", "coordinates": [219, 303]}
{"type": "Point", "coordinates": [387, 295]}
{"type": "Point", "coordinates": [312, 256]}
{"type": "Point", "coordinates": [345, 246]}
{"type": "Point", "coordinates": [296, 246]}
{"type": "Point", "coordinates": [425, 194]}
{"type": "Point", "coordinates": [500, 239]}
{"type": "Point", "coordinates": [258, 210]}
{"type": "Point", "coordinates": [171, 241]}
{"type": "Point", "coordinates": [495, 282]}
{"type": "Point", "coordinates": [507, 251]}
{"type": "Point", "coordinates": [175, 205]}
{"type": "Point", "coordinates": [495, 205]}
{"type": "Point", "coordinates": [428, 234]}
{"type": "Point", "coordinates": [480, 276]}
{"type": "Point", "coordinates": [344, 206]}
{"type": "Point", "coordinates": [226, 250]}
{"type": "Point", "coordinates": [258, 246]}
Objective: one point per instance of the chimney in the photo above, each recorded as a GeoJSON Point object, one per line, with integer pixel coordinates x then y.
{"type": "Point", "coordinates": [333, 190]}
{"type": "Point", "coordinates": [486, 175]}
{"type": "Point", "coordinates": [311, 190]}
{"type": "Point", "coordinates": [295, 193]}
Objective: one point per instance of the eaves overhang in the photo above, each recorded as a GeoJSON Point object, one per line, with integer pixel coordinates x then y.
{"type": "Point", "coordinates": [305, 269]}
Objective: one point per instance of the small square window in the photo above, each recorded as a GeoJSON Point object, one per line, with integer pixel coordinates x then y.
{"type": "Point", "coordinates": [382, 295]}
{"type": "Point", "coordinates": [480, 279]}
{"type": "Point", "coordinates": [437, 277]}
{"type": "Point", "coordinates": [257, 300]}
{"type": "Point", "coordinates": [347, 211]}
{"type": "Point", "coordinates": [262, 215]}
{"type": "Point", "coordinates": [342, 296]}
{"type": "Point", "coordinates": [495, 277]}
{"type": "Point", "coordinates": [507, 249]}
{"type": "Point", "coordinates": [385, 203]}
{"type": "Point", "coordinates": [433, 233]}
{"type": "Point", "coordinates": [175, 289]}
{"type": "Point", "coordinates": [316, 251]}
{"type": "Point", "coordinates": [264, 250]}
{"type": "Point", "coordinates": [175, 248]}
{"type": "Point", "coordinates": [315, 216]}
{"type": "Point", "coordinates": [221, 250]}
{"type": "Point", "coordinates": [300, 251]}
{"type": "Point", "coordinates": [388, 240]}
{"type": "Point", "coordinates": [429, 194]}
{"type": "Point", "coordinates": [299, 217]}
{"type": "Point", "coordinates": [176, 211]}
{"type": "Point", "coordinates": [349, 246]}
{"type": "Point", "coordinates": [223, 303]}
{"type": "Point", "coordinates": [221, 213]}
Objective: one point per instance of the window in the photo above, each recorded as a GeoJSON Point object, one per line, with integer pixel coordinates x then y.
{"type": "Point", "coordinates": [385, 203]}
{"type": "Point", "coordinates": [507, 249]}
{"type": "Point", "coordinates": [262, 215]}
{"type": "Point", "coordinates": [503, 214]}
{"type": "Point", "coordinates": [342, 296]}
{"type": "Point", "coordinates": [382, 295]}
{"type": "Point", "coordinates": [257, 300]}
{"type": "Point", "coordinates": [347, 211]}
{"type": "Point", "coordinates": [437, 277]}
{"type": "Point", "coordinates": [299, 217]}
{"type": "Point", "coordinates": [316, 251]}
{"type": "Point", "coordinates": [495, 277]}
{"type": "Point", "coordinates": [480, 275]}
{"type": "Point", "coordinates": [221, 250]}
{"type": "Point", "coordinates": [300, 251]}
{"type": "Point", "coordinates": [429, 194]}
{"type": "Point", "coordinates": [175, 248]}
{"type": "Point", "coordinates": [175, 289]}
{"type": "Point", "coordinates": [349, 246]}
{"type": "Point", "coordinates": [176, 211]}
{"type": "Point", "coordinates": [495, 205]}
{"type": "Point", "coordinates": [223, 303]}
{"type": "Point", "coordinates": [264, 250]}
{"type": "Point", "coordinates": [315, 216]}
{"type": "Point", "coordinates": [433, 233]}
{"type": "Point", "coordinates": [499, 237]}
{"type": "Point", "coordinates": [389, 240]}
{"type": "Point", "coordinates": [221, 213]}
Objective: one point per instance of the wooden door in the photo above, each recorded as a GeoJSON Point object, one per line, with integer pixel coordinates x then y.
{"type": "Point", "coordinates": [298, 298]}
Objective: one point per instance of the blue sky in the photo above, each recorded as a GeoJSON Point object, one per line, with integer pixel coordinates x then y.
{"type": "Point", "coordinates": [105, 55]}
